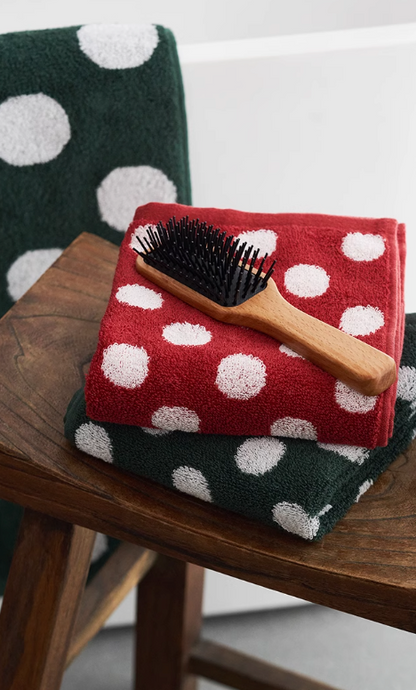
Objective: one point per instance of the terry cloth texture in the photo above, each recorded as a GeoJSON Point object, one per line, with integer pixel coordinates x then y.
{"type": "Point", "coordinates": [303, 487]}
{"type": "Point", "coordinates": [163, 364]}
{"type": "Point", "coordinates": [92, 124]}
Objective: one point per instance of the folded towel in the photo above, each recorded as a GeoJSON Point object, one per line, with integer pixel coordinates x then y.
{"type": "Point", "coordinates": [163, 364]}
{"type": "Point", "coordinates": [303, 487]}
{"type": "Point", "coordinates": [92, 124]}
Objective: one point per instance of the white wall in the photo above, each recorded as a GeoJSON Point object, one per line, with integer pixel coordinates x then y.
{"type": "Point", "coordinates": [210, 20]}
{"type": "Point", "coordinates": [326, 132]}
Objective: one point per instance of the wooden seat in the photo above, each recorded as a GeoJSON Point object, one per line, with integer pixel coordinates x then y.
{"type": "Point", "coordinates": [366, 566]}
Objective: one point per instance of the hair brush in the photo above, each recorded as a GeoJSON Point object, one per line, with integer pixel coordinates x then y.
{"type": "Point", "coordinates": [215, 273]}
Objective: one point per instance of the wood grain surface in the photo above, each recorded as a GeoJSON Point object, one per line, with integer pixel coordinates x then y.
{"type": "Point", "coordinates": [169, 618]}
{"type": "Point", "coordinates": [366, 566]}
{"type": "Point", "coordinates": [237, 670]}
{"type": "Point", "coordinates": [41, 601]}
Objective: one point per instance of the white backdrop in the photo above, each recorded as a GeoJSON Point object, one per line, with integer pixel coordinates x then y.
{"type": "Point", "coordinates": [330, 132]}
{"type": "Point", "coordinates": [194, 21]}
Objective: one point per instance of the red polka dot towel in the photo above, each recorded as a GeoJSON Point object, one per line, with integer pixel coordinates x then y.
{"type": "Point", "coordinates": [163, 365]}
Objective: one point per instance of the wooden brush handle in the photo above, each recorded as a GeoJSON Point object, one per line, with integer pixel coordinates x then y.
{"type": "Point", "coordinates": [350, 360]}
{"type": "Point", "coordinates": [360, 366]}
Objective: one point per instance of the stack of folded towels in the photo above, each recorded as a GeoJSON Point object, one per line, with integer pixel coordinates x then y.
{"type": "Point", "coordinates": [230, 415]}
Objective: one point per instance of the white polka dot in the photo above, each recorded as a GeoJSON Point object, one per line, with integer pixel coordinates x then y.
{"type": "Point", "coordinates": [263, 240]}
{"type": "Point", "coordinates": [140, 232]}
{"type": "Point", "coordinates": [155, 432]}
{"type": "Point", "coordinates": [294, 428]}
{"type": "Point", "coordinates": [304, 280]}
{"type": "Point", "coordinates": [241, 376]}
{"type": "Point", "coordinates": [325, 509]}
{"type": "Point", "coordinates": [259, 455]}
{"type": "Point", "coordinates": [125, 365]}
{"type": "Point", "coordinates": [363, 488]}
{"type": "Point", "coordinates": [191, 481]}
{"type": "Point", "coordinates": [27, 268]}
{"type": "Point", "coordinates": [118, 46]}
{"type": "Point", "coordinates": [94, 440]}
{"type": "Point", "coordinates": [406, 385]}
{"type": "Point", "coordinates": [353, 401]}
{"type": "Point", "coordinates": [355, 454]}
{"type": "Point", "coordinates": [359, 247]}
{"type": "Point", "coordinates": [361, 320]}
{"type": "Point", "coordinates": [100, 547]}
{"type": "Point", "coordinates": [176, 418]}
{"type": "Point", "coordinates": [186, 334]}
{"type": "Point", "coordinates": [289, 352]}
{"type": "Point", "coordinates": [33, 129]}
{"type": "Point", "coordinates": [124, 189]}
{"type": "Point", "coordinates": [293, 518]}
{"type": "Point", "coordinates": [139, 296]}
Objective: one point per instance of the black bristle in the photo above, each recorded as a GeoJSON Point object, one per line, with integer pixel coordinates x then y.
{"type": "Point", "coordinates": [205, 259]}
{"type": "Point", "coordinates": [249, 274]}
{"type": "Point", "coordinates": [257, 278]}
{"type": "Point", "coordinates": [268, 274]}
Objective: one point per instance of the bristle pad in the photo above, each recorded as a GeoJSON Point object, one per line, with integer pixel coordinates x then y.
{"type": "Point", "coordinates": [208, 261]}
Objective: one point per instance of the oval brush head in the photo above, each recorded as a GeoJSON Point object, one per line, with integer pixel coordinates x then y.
{"type": "Point", "coordinates": [206, 260]}
{"type": "Point", "coordinates": [214, 273]}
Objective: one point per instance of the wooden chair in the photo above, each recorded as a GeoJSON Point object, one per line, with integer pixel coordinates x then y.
{"type": "Point", "coordinates": [366, 566]}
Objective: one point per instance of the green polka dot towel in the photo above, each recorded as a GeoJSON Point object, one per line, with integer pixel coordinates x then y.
{"type": "Point", "coordinates": [92, 125]}
{"type": "Point", "coordinates": [301, 486]}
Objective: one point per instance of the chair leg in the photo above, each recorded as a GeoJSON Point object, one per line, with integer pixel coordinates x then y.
{"type": "Point", "coordinates": [168, 623]}
{"type": "Point", "coordinates": [41, 601]}
{"type": "Point", "coordinates": [125, 568]}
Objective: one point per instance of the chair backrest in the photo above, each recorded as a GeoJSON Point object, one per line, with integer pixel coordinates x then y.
{"type": "Point", "coordinates": [92, 125]}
